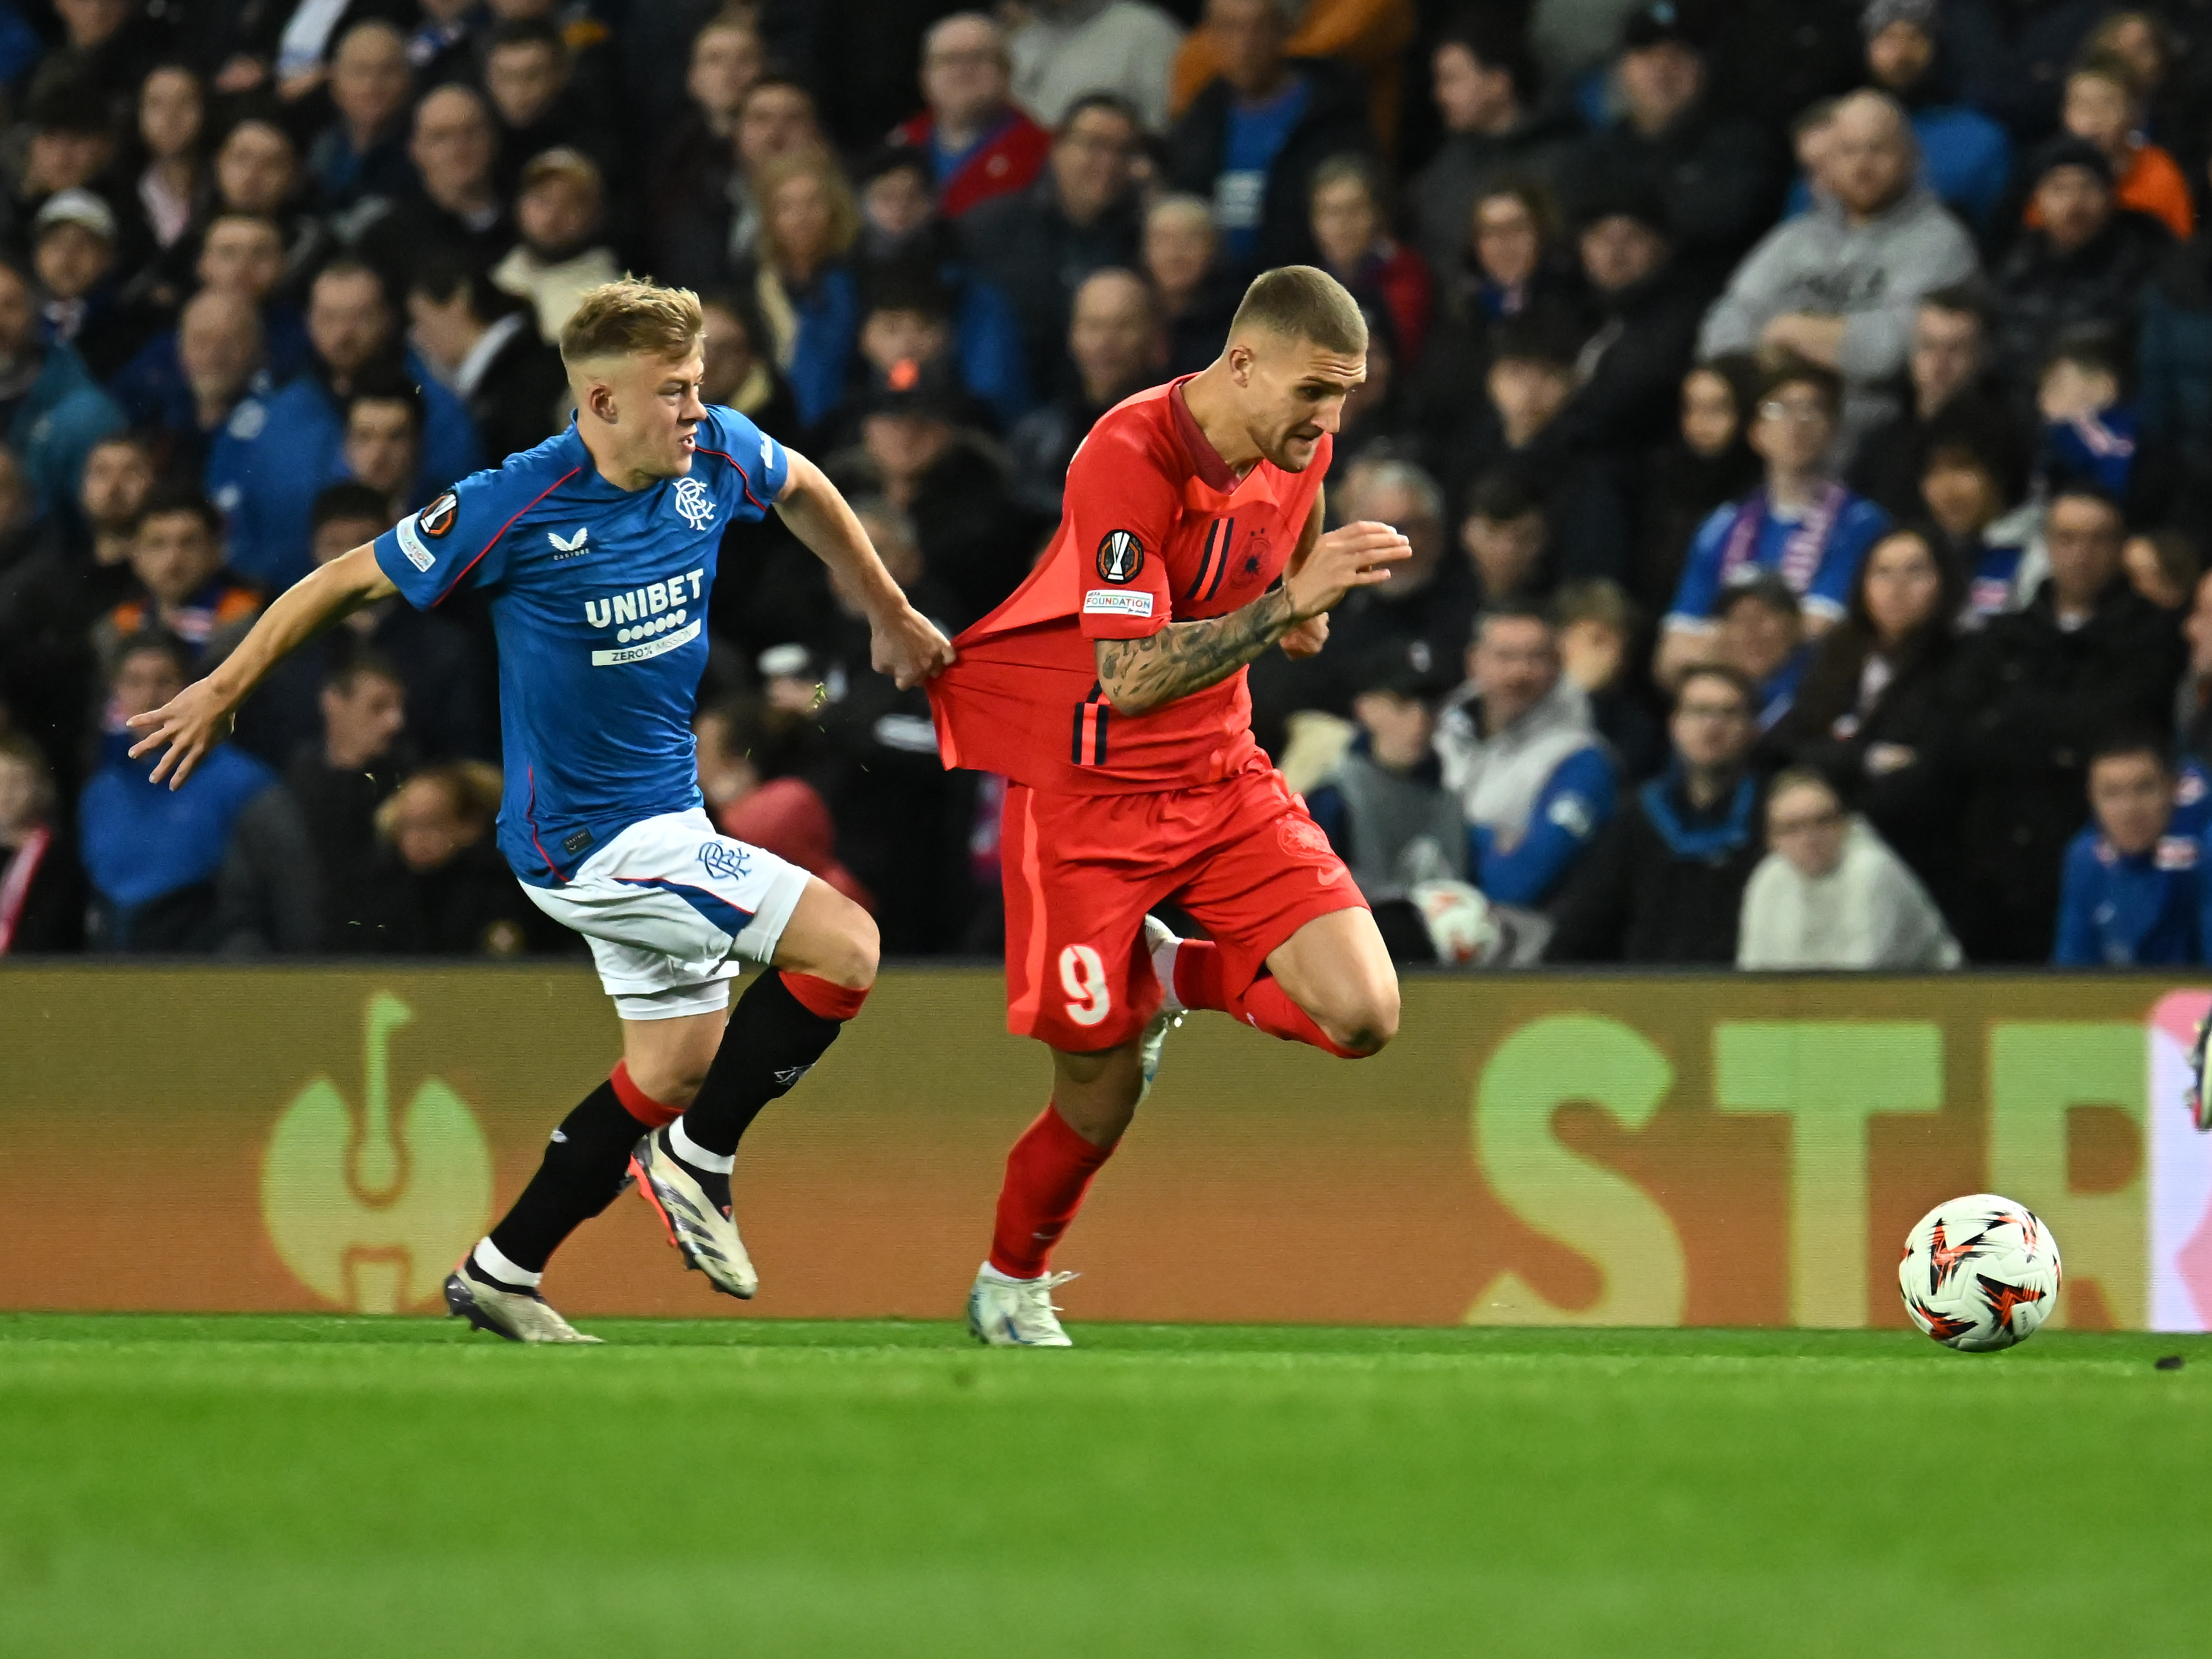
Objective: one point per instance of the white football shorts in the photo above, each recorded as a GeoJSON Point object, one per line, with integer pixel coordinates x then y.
{"type": "Point", "coordinates": [671, 908]}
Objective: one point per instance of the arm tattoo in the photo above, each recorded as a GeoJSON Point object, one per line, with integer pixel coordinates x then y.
{"type": "Point", "coordinates": [1140, 674]}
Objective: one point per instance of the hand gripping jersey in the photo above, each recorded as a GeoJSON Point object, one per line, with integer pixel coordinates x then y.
{"type": "Point", "coordinates": [598, 599]}
{"type": "Point", "coordinates": [1156, 529]}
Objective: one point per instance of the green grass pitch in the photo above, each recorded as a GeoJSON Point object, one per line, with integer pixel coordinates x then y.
{"type": "Point", "coordinates": [337, 1487]}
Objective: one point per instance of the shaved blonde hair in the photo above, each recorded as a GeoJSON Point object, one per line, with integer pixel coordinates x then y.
{"type": "Point", "coordinates": [632, 318]}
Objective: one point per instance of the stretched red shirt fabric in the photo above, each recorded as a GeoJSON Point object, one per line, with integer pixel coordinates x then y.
{"type": "Point", "coordinates": [1155, 528]}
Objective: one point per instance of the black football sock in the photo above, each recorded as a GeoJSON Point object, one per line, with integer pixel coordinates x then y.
{"type": "Point", "coordinates": [580, 1174]}
{"type": "Point", "coordinates": [771, 1041]}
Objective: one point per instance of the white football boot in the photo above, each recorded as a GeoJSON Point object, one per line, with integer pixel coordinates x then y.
{"type": "Point", "coordinates": [2200, 1100]}
{"type": "Point", "coordinates": [1160, 944]}
{"type": "Point", "coordinates": [517, 1314]}
{"type": "Point", "coordinates": [702, 1230]}
{"type": "Point", "coordinates": [1016, 1313]}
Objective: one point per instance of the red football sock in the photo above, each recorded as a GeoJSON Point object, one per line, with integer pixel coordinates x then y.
{"type": "Point", "coordinates": [643, 1107]}
{"type": "Point", "coordinates": [1047, 1172]}
{"type": "Point", "coordinates": [1266, 1006]}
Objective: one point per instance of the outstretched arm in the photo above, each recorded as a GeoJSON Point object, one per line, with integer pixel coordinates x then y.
{"type": "Point", "coordinates": [902, 643]}
{"type": "Point", "coordinates": [198, 717]}
{"type": "Point", "coordinates": [1140, 675]}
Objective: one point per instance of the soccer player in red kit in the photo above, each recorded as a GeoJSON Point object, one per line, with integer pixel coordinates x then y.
{"type": "Point", "coordinates": [1109, 690]}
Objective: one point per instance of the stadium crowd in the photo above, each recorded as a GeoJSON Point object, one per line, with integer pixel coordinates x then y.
{"type": "Point", "coordinates": [1801, 411]}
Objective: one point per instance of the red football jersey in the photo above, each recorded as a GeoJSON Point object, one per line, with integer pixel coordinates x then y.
{"type": "Point", "coordinates": [1154, 528]}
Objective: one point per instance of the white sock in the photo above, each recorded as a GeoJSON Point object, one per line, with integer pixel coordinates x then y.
{"type": "Point", "coordinates": [998, 1278]}
{"type": "Point", "coordinates": [489, 1260]}
{"type": "Point", "coordinates": [695, 1155]}
{"type": "Point", "coordinates": [1163, 960]}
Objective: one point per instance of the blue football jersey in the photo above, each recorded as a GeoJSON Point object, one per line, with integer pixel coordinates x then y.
{"type": "Point", "coordinates": [598, 599]}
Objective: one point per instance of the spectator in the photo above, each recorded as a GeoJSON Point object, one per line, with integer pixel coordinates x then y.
{"type": "Point", "coordinates": [1488, 96]}
{"type": "Point", "coordinates": [2033, 691]}
{"type": "Point", "coordinates": [69, 146]}
{"type": "Point", "coordinates": [73, 251]}
{"type": "Point", "coordinates": [443, 47]}
{"type": "Point", "coordinates": [1840, 287]}
{"type": "Point", "coordinates": [1599, 626]}
{"type": "Point", "coordinates": [1716, 175]}
{"type": "Point", "coordinates": [529, 76]}
{"type": "Point", "coordinates": [1949, 360]}
{"type": "Point", "coordinates": [1647, 315]}
{"type": "Point", "coordinates": [1119, 348]}
{"type": "Point", "coordinates": [182, 590]}
{"type": "Point", "coordinates": [1424, 615]}
{"type": "Point", "coordinates": [2164, 567]}
{"type": "Point", "coordinates": [1831, 894]}
{"type": "Point", "coordinates": [243, 253]}
{"type": "Point", "coordinates": [440, 887]}
{"type": "Point", "coordinates": [1036, 246]}
{"type": "Point", "coordinates": [740, 372]}
{"type": "Point", "coordinates": [1351, 232]}
{"type": "Point", "coordinates": [2090, 431]}
{"type": "Point", "coordinates": [903, 822]}
{"type": "Point", "coordinates": [2132, 894]}
{"type": "Point", "coordinates": [702, 240]}
{"type": "Point", "coordinates": [172, 183]}
{"type": "Point", "coordinates": [1251, 138]}
{"type": "Point", "coordinates": [1369, 36]}
{"type": "Point", "coordinates": [1385, 806]}
{"type": "Point", "coordinates": [1871, 715]}
{"type": "Point", "coordinates": [258, 174]}
{"type": "Point", "coordinates": [1181, 257]}
{"type": "Point", "coordinates": [980, 144]}
{"type": "Point", "coordinates": [2012, 58]}
{"type": "Point", "coordinates": [2085, 263]}
{"type": "Point", "coordinates": [362, 154]}
{"type": "Point", "coordinates": [455, 212]}
{"type": "Point", "coordinates": [917, 318]}
{"type": "Point", "coordinates": [2193, 701]}
{"type": "Point", "coordinates": [1510, 262]}
{"type": "Point", "coordinates": [50, 601]}
{"type": "Point", "coordinates": [2173, 355]}
{"type": "Point", "coordinates": [1663, 881]}
{"type": "Point", "coordinates": [182, 388]}
{"type": "Point", "coordinates": [559, 215]}
{"type": "Point", "coordinates": [1709, 463]}
{"type": "Point", "coordinates": [2105, 106]}
{"type": "Point", "coordinates": [804, 284]}
{"type": "Point", "coordinates": [1973, 479]}
{"type": "Point", "coordinates": [1758, 631]}
{"type": "Point", "coordinates": [971, 536]}
{"type": "Point", "coordinates": [1800, 524]}
{"type": "Point", "coordinates": [452, 710]}
{"type": "Point", "coordinates": [299, 875]}
{"type": "Point", "coordinates": [383, 444]}
{"type": "Point", "coordinates": [482, 343]}
{"type": "Point", "coordinates": [698, 162]}
{"type": "Point", "coordinates": [152, 852]}
{"type": "Point", "coordinates": [1067, 50]}
{"type": "Point", "coordinates": [41, 883]}
{"type": "Point", "coordinates": [1966, 158]}
{"type": "Point", "coordinates": [1528, 771]}
{"type": "Point", "coordinates": [278, 450]}
{"type": "Point", "coordinates": [1505, 534]}
{"type": "Point", "coordinates": [785, 815]}
{"type": "Point", "coordinates": [51, 410]}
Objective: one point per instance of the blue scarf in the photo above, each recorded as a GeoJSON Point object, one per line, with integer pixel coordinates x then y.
{"type": "Point", "coordinates": [1711, 843]}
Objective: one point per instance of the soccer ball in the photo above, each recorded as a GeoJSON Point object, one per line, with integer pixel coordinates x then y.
{"type": "Point", "coordinates": [1460, 928]}
{"type": "Point", "coordinates": [1980, 1273]}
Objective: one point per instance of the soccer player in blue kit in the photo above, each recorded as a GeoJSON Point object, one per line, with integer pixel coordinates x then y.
{"type": "Point", "coordinates": [597, 549]}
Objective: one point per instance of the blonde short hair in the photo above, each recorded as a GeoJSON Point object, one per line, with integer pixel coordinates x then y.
{"type": "Point", "coordinates": [632, 318]}
{"type": "Point", "coordinates": [1301, 302]}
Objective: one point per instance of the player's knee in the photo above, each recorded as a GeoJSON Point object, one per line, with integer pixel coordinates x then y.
{"type": "Point", "coordinates": [673, 1083]}
{"type": "Point", "coordinates": [1364, 1023]}
{"type": "Point", "coordinates": [855, 951]}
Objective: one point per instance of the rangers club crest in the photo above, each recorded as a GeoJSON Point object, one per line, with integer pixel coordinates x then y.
{"type": "Point", "coordinates": [694, 503]}
{"type": "Point", "coordinates": [1121, 556]}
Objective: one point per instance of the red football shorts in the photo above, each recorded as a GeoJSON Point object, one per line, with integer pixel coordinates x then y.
{"type": "Point", "coordinates": [1081, 870]}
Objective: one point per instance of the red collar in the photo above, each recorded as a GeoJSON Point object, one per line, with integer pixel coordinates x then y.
{"type": "Point", "coordinates": [1205, 460]}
